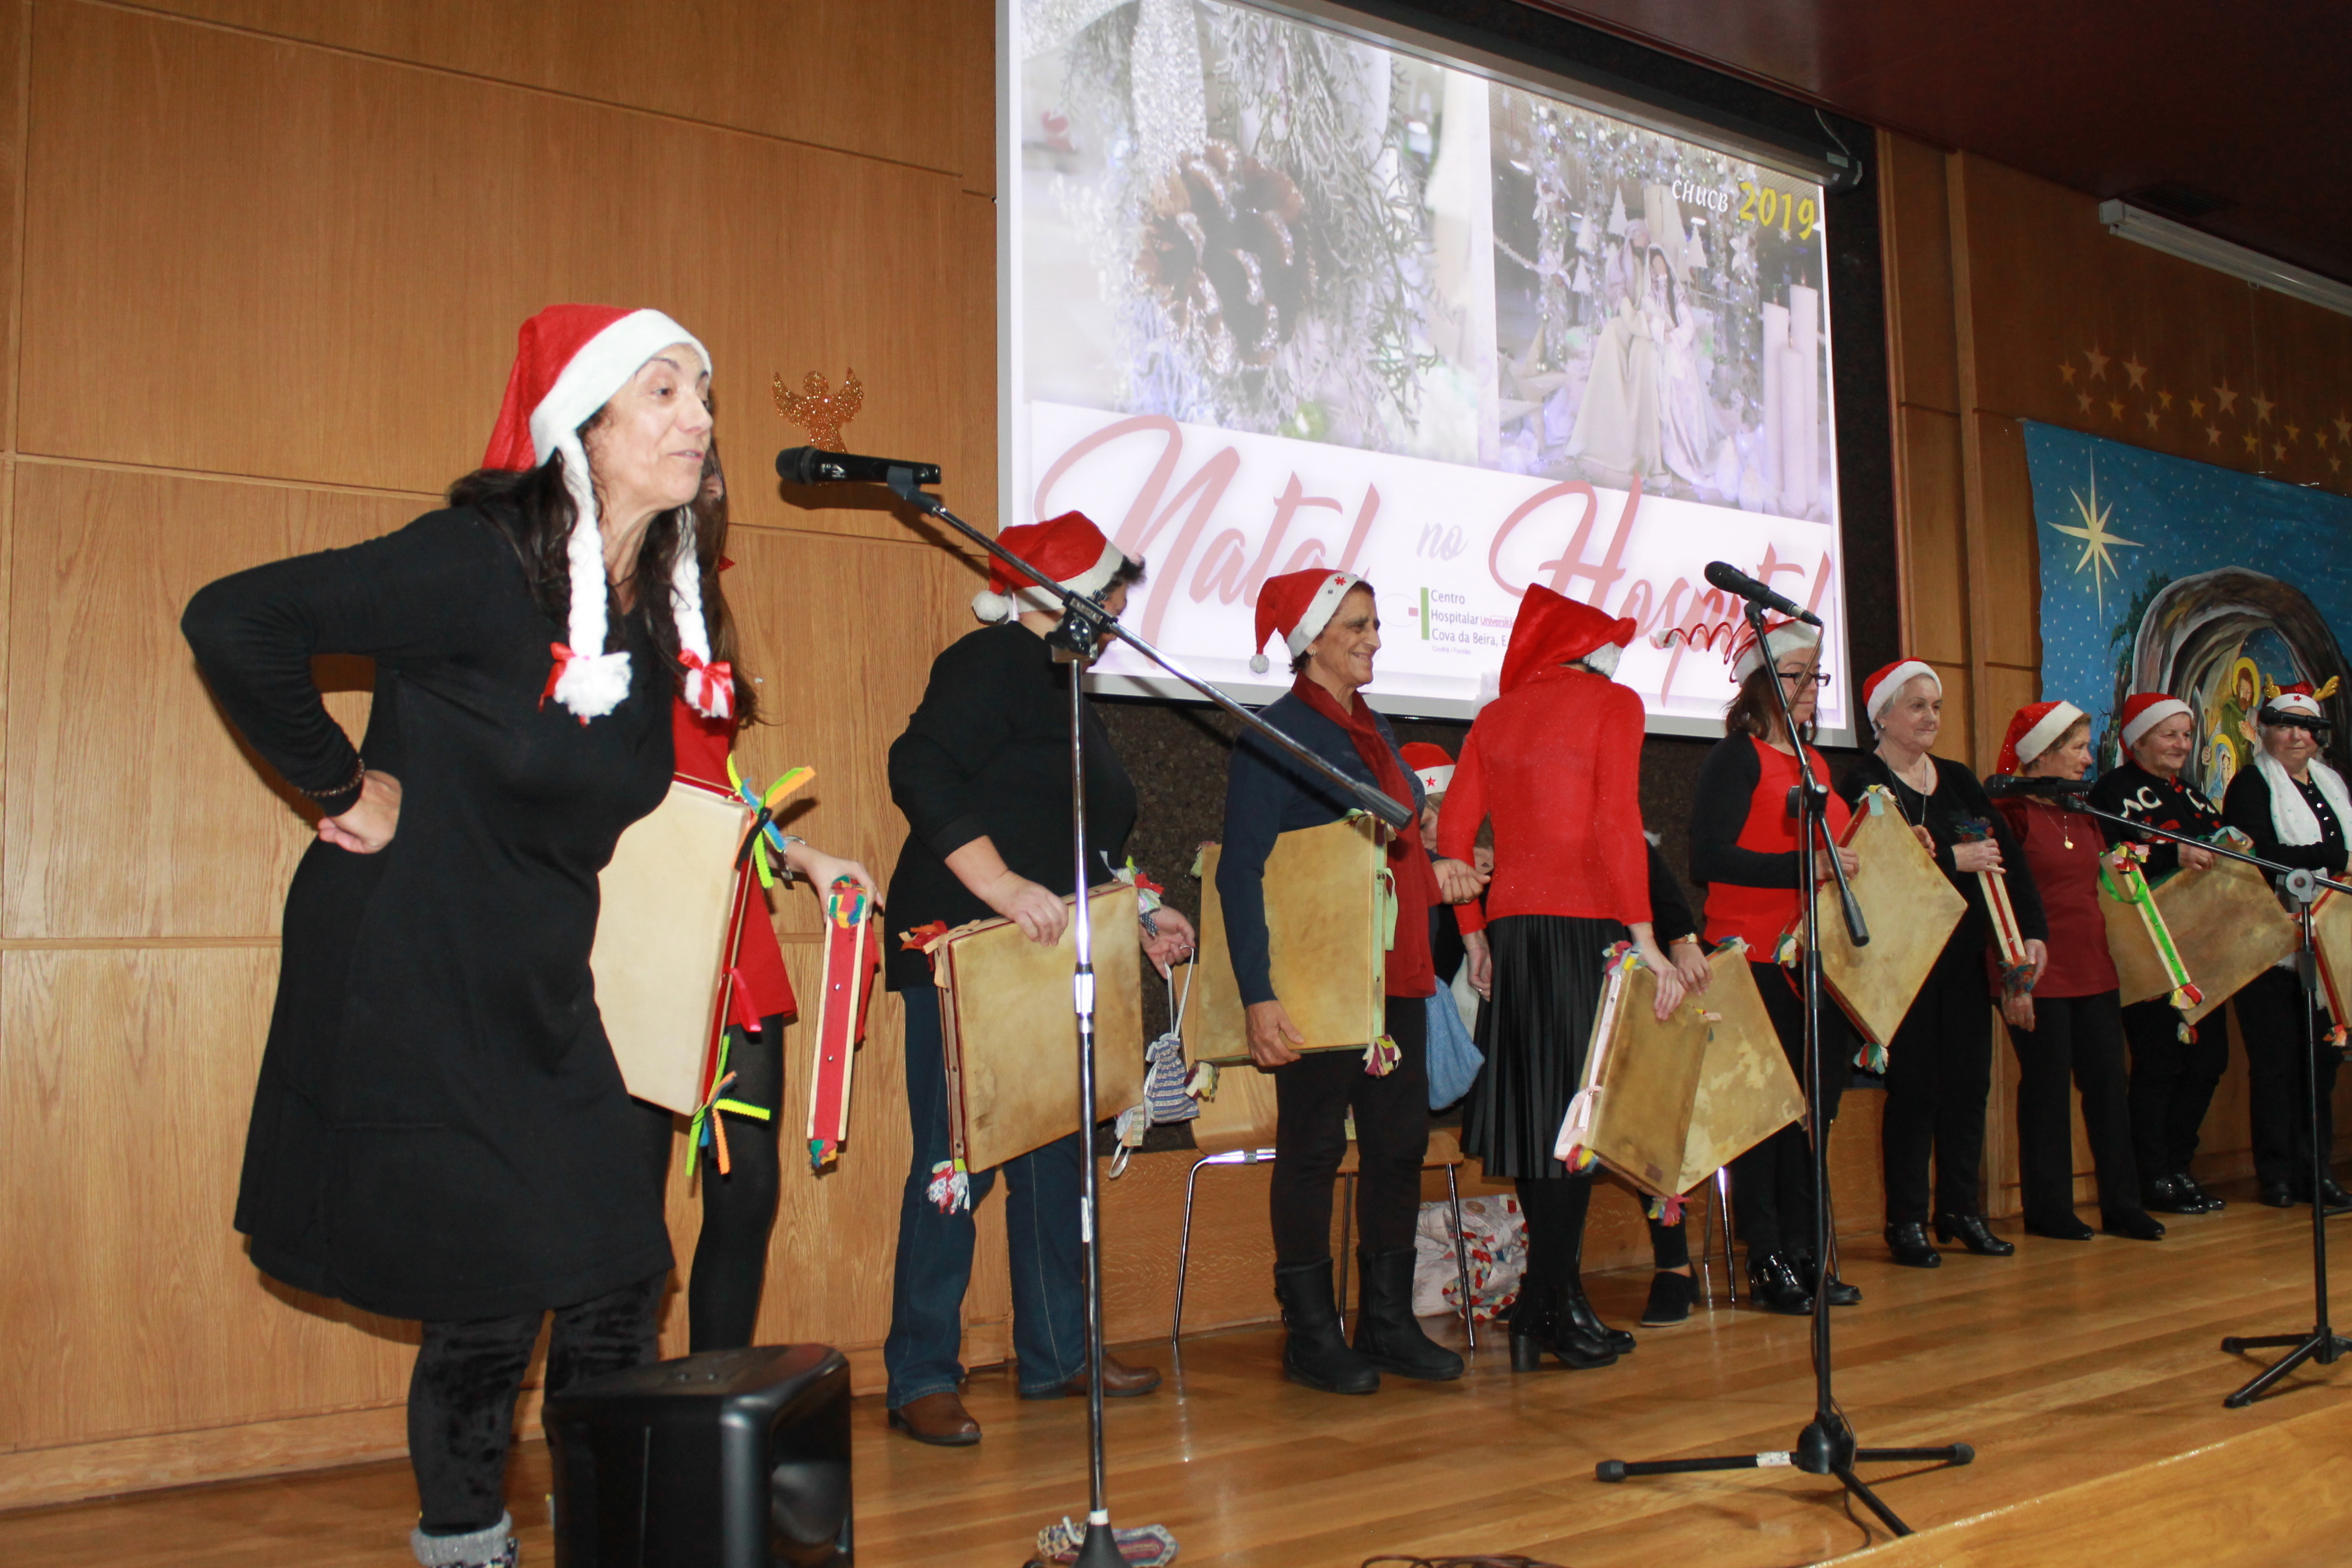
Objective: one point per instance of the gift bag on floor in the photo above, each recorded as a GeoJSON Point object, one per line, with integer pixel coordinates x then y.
{"type": "Point", "coordinates": [1497, 1239]}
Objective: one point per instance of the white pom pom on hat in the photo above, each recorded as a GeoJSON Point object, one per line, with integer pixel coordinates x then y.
{"type": "Point", "coordinates": [1299, 604]}
{"type": "Point", "coordinates": [1069, 549]}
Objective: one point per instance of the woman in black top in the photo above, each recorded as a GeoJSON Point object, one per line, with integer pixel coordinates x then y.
{"type": "Point", "coordinates": [440, 1131]}
{"type": "Point", "coordinates": [1939, 1064]}
{"type": "Point", "coordinates": [2293, 807]}
{"type": "Point", "coordinates": [2174, 1065]}
{"type": "Point", "coordinates": [982, 775]}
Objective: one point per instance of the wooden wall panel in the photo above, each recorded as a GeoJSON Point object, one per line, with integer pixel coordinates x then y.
{"type": "Point", "coordinates": [125, 1081]}
{"type": "Point", "coordinates": [1915, 221]}
{"type": "Point", "coordinates": [1957, 739]}
{"type": "Point", "coordinates": [2010, 592]}
{"type": "Point", "coordinates": [405, 276]}
{"type": "Point", "coordinates": [1936, 588]}
{"type": "Point", "coordinates": [105, 560]}
{"type": "Point", "coordinates": [834, 76]}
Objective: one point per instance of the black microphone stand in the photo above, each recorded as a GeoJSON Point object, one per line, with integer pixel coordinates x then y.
{"type": "Point", "coordinates": [1083, 625]}
{"type": "Point", "coordinates": [2300, 889]}
{"type": "Point", "coordinates": [1827, 1447]}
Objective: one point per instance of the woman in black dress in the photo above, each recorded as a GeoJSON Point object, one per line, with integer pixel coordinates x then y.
{"type": "Point", "coordinates": [439, 1123]}
{"type": "Point", "coordinates": [1939, 1063]}
{"type": "Point", "coordinates": [2293, 806]}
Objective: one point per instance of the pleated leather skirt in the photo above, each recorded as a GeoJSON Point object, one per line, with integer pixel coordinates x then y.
{"type": "Point", "coordinates": [1534, 1032]}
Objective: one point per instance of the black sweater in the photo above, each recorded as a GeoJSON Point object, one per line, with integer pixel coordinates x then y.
{"type": "Point", "coordinates": [987, 754]}
{"type": "Point", "coordinates": [1957, 797]}
{"type": "Point", "coordinates": [2132, 790]}
{"type": "Point", "coordinates": [2247, 807]}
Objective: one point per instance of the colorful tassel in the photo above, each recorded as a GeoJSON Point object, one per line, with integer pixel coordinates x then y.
{"type": "Point", "coordinates": [1202, 1084]}
{"type": "Point", "coordinates": [1380, 1058]}
{"type": "Point", "coordinates": [1667, 1211]}
{"type": "Point", "coordinates": [1790, 952]}
{"type": "Point", "coordinates": [1871, 1058]}
{"type": "Point", "coordinates": [951, 1186]}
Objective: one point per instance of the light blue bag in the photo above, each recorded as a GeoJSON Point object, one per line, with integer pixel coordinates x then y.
{"type": "Point", "coordinates": [1453, 1058]}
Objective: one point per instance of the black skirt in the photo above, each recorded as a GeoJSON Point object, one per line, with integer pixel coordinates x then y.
{"type": "Point", "coordinates": [1534, 1032]}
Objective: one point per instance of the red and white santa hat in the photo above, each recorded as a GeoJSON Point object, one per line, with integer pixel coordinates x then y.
{"type": "Point", "coordinates": [2302, 697]}
{"type": "Point", "coordinates": [569, 362]}
{"type": "Point", "coordinates": [2145, 710]}
{"type": "Point", "coordinates": [1878, 688]}
{"type": "Point", "coordinates": [2032, 732]}
{"type": "Point", "coordinates": [1781, 638]}
{"type": "Point", "coordinates": [1069, 549]}
{"type": "Point", "coordinates": [1299, 604]}
{"type": "Point", "coordinates": [1431, 764]}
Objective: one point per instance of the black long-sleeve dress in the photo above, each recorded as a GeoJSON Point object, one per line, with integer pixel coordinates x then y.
{"type": "Point", "coordinates": [440, 1131]}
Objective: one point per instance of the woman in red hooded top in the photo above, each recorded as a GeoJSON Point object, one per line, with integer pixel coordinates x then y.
{"type": "Point", "coordinates": [1556, 762]}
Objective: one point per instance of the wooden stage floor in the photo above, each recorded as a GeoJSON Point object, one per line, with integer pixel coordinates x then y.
{"type": "Point", "coordinates": [2087, 1376]}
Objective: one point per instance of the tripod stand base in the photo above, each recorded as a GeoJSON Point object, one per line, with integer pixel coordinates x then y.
{"type": "Point", "coordinates": [2322, 1345]}
{"type": "Point", "coordinates": [1825, 1448]}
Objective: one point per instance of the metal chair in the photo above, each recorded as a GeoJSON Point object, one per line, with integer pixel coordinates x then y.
{"type": "Point", "coordinates": [1446, 1148]}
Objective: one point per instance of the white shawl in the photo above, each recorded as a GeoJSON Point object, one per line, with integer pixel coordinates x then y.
{"type": "Point", "coordinates": [2291, 815]}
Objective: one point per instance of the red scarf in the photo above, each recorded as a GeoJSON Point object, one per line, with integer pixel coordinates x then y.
{"type": "Point", "coordinates": [1412, 972]}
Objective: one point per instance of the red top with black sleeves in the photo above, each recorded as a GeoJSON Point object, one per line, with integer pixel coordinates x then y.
{"type": "Point", "coordinates": [1751, 875]}
{"type": "Point", "coordinates": [2062, 850]}
{"type": "Point", "coordinates": [765, 991]}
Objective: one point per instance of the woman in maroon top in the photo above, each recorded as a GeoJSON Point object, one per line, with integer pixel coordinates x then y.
{"type": "Point", "coordinates": [1743, 849]}
{"type": "Point", "coordinates": [2068, 1024]}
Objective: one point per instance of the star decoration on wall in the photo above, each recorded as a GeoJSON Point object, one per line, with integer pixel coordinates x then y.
{"type": "Point", "coordinates": [2136, 371]}
{"type": "Point", "coordinates": [2212, 436]}
{"type": "Point", "coordinates": [2197, 408]}
{"type": "Point", "coordinates": [2118, 406]}
{"type": "Point", "coordinates": [2151, 418]}
{"type": "Point", "coordinates": [2225, 397]}
{"type": "Point", "coordinates": [2262, 407]}
{"type": "Point", "coordinates": [2292, 430]}
{"type": "Point", "coordinates": [2098, 542]}
{"type": "Point", "coordinates": [2278, 448]}
{"type": "Point", "coordinates": [2084, 399]}
{"type": "Point", "coordinates": [2253, 442]}
{"type": "Point", "coordinates": [2343, 428]}
{"type": "Point", "coordinates": [2164, 400]}
{"type": "Point", "coordinates": [2098, 362]}
{"type": "Point", "coordinates": [2066, 374]}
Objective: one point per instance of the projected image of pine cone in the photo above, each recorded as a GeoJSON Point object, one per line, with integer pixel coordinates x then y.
{"type": "Point", "coordinates": [1224, 257]}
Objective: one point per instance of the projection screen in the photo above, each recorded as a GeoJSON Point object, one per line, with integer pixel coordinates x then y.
{"type": "Point", "coordinates": [1277, 291]}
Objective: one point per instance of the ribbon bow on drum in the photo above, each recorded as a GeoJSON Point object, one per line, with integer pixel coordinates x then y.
{"type": "Point", "coordinates": [1666, 1104]}
{"type": "Point", "coordinates": [1910, 908]}
{"type": "Point", "coordinates": [1011, 1038]}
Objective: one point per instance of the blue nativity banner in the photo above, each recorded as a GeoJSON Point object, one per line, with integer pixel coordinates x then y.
{"type": "Point", "coordinates": [2162, 575]}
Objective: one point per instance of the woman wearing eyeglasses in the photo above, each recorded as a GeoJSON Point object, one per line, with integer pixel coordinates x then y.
{"type": "Point", "coordinates": [1744, 848]}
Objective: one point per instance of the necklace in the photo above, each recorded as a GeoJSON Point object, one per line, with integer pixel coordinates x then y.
{"type": "Point", "coordinates": [1914, 788]}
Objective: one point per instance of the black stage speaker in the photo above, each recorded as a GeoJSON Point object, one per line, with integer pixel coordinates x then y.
{"type": "Point", "coordinates": [726, 1459]}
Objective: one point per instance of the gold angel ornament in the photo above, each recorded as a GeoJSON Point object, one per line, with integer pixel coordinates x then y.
{"type": "Point", "coordinates": [818, 409]}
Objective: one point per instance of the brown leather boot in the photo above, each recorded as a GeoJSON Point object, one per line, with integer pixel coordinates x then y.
{"type": "Point", "coordinates": [937, 1418]}
{"type": "Point", "coordinates": [1121, 1381]}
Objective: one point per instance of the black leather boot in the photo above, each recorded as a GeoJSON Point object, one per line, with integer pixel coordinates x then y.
{"type": "Point", "coordinates": [2206, 1202]}
{"type": "Point", "coordinates": [1316, 1353]}
{"type": "Point", "coordinates": [1540, 1328]}
{"type": "Point", "coordinates": [1971, 1232]}
{"type": "Point", "coordinates": [1908, 1242]}
{"type": "Point", "coordinates": [1387, 1334]}
{"type": "Point", "coordinates": [1841, 1294]}
{"type": "Point", "coordinates": [1773, 1285]}
{"type": "Point", "coordinates": [2164, 1194]}
{"type": "Point", "coordinates": [1579, 1309]}
{"type": "Point", "coordinates": [1671, 1295]}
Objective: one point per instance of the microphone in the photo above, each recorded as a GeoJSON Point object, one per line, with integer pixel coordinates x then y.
{"type": "Point", "coordinates": [814, 466]}
{"type": "Point", "coordinates": [1732, 580]}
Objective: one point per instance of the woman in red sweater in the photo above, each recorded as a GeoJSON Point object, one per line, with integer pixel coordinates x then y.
{"type": "Point", "coordinates": [1744, 848]}
{"type": "Point", "coordinates": [2069, 1024]}
{"type": "Point", "coordinates": [1556, 762]}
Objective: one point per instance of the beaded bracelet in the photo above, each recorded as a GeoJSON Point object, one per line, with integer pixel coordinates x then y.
{"type": "Point", "coordinates": [359, 777]}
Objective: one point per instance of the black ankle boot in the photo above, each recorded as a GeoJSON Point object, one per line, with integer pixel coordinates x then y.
{"type": "Point", "coordinates": [1774, 1285]}
{"type": "Point", "coordinates": [2206, 1202]}
{"type": "Point", "coordinates": [1580, 1312]}
{"type": "Point", "coordinates": [1316, 1353]}
{"type": "Point", "coordinates": [1971, 1232]}
{"type": "Point", "coordinates": [1540, 1327]}
{"type": "Point", "coordinates": [1387, 1334]}
{"type": "Point", "coordinates": [1671, 1295]}
{"type": "Point", "coordinates": [1908, 1242]}
{"type": "Point", "coordinates": [1841, 1294]}
{"type": "Point", "coordinates": [2167, 1194]}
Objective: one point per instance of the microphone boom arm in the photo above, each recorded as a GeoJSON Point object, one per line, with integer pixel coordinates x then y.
{"type": "Point", "coordinates": [1084, 620]}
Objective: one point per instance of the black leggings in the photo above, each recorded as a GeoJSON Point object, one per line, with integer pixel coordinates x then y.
{"type": "Point", "coordinates": [461, 1397]}
{"type": "Point", "coordinates": [1313, 1096]}
{"type": "Point", "coordinates": [739, 1209]}
{"type": "Point", "coordinates": [1775, 1200]}
{"type": "Point", "coordinates": [2078, 1039]}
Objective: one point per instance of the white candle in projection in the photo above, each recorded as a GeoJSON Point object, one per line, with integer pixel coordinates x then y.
{"type": "Point", "coordinates": [1769, 365]}
{"type": "Point", "coordinates": [1803, 394]}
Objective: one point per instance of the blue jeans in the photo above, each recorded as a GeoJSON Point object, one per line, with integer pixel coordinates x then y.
{"type": "Point", "coordinates": [1041, 1223]}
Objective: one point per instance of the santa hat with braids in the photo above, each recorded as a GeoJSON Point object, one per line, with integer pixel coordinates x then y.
{"type": "Point", "coordinates": [569, 362]}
